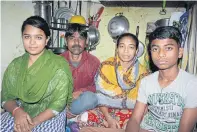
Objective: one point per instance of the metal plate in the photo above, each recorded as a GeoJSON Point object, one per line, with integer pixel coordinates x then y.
{"type": "Point", "coordinates": [64, 12]}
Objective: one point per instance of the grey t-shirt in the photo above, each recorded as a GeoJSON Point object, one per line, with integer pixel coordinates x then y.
{"type": "Point", "coordinates": [165, 106]}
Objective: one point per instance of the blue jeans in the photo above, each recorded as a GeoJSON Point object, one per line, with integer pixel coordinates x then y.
{"type": "Point", "coordinates": [86, 101]}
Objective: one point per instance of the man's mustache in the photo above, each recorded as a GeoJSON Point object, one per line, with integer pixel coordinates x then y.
{"type": "Point", "coordinates": [76, 46]}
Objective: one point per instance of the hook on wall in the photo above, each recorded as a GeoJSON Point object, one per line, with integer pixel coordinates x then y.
{"type": "Point", "coordinates": [163, 10]}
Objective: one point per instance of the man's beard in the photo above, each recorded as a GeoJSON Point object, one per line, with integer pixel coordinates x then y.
{"type": "Point", "coordinates": [76, 49]}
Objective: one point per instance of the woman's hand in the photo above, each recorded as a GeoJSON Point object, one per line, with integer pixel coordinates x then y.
{"type": "Point", "coordinates": [22, 121]}
{"type": "Point", "coordinates": [35, 123]}
{"type": "Point", "coordinates": [112, 123]}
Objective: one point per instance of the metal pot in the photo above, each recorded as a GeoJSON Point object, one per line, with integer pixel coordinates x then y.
{"type": "Point", "coordinates": [93, 37]}
{"type": "Point", "coordinates": [43, 9]}
{"type": "Point", "coordinates": [118, 25]}
{"type": "Point", "coordinates": [140, 46]}
{"type": "Point", "coordinates": [162, 22]}
{"type": "Point", "coordinates": [140, 49]}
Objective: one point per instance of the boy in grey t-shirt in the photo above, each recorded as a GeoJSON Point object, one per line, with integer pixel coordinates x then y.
{"type": "Point", "coordinates": [169, 95]}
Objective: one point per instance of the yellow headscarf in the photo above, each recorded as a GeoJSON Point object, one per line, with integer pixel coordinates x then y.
{"type": "Point", "coordinates": [111, 78]}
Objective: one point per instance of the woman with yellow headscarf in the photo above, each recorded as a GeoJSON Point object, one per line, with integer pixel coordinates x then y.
{"type": "Point", "coordinates": [117, 83]}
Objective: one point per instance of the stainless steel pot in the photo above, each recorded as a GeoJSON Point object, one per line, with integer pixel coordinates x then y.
{"type": "Point", "coordinates": [43, 9]}
{"type": "Point", "coordinates": [93, 37]}
{"type": "Point", "coordinates": [140, 49]}
{"type": "Point", "coordinates": [118, 25]}
{"type": "Point", "coordinates": [162, 22]}
{"type": "Point", "coordinates": [141, 45]}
